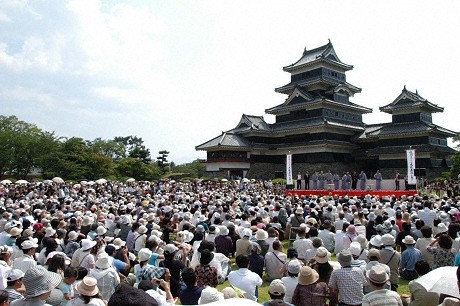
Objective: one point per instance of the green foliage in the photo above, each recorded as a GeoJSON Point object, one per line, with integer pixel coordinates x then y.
{"type": "Point", "coordinates": [134, 148]}
{"type": "Point", "coordinates": [279, 181]}
{"type": "Point", "coordinates": [455, 170]}
{"type": "Point", "coordinates": [136, 168]}
{"type": "Point", "coordinates": [162, 160]}
{"type": "Point", "coordinates": [195, 169]}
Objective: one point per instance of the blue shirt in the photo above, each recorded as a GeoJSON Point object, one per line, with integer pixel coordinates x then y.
{"type": "Point", "coordinates": [190, 295]}
{"type": "Point", "coordinates": [153, 260]}
{"type": "Point", "coordinates": [409, 257]}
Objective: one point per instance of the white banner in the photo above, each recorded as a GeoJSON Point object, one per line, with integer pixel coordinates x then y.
{"type": "Point", "coordinates": [289, 169]}
{"type": "Point", "coordinates": [410, 167]}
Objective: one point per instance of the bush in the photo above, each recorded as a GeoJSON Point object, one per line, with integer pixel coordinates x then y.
{"type": "Point", "coordinates": [279, 181]}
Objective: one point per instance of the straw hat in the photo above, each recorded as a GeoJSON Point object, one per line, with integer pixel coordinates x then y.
{"type": "Point", "coordinates": [307, 276]}
{"type": "Point", "coordinates": [299, 211]}
{"type": "Point", "coordinates": [408, 240]}
{"type": "Point", "coordinates": [15, 231]}
{"type": "Point", "coordinates": [88, 286]}
{"type": "Point", "coordinates": [209, 295]}
{"type": "Point", "coordinates": [39, 280]}
{"type": "Point", "coordinates": [118, 243]}
{"type": "Point", "coordinates": [73, 235]}
{"type": "Point", "coordinates": [142, 229]}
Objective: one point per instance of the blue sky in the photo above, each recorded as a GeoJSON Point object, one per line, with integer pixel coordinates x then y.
{"type": "Point", "coordinates": [178, 73]}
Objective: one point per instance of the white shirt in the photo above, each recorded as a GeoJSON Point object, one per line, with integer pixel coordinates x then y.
{"type": "Point", "coordinates": [301, 246]}
{"type": "Point", "coordinates": [290, 283]}
{"type": "Point", "coordinates": [328, 239]}
{"type": "Point", "coordinates": [245, 280]}
{"type": "Point", "coordinates": [24, 263]}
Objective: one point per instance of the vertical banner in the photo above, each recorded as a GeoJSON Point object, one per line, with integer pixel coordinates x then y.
{"type": "Point", "coordinates": [410, 167]}
{"type": "Point", "coordinates": [289, 169]}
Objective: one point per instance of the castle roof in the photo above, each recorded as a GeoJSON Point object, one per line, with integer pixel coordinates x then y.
{"type": "Point", "coordinates": [418, 149]}
{"type": "Point", "coordinates": [225, 141]}
{"type": "Point", "coordinates": [323, 53]}
{"type": "Point", "coordinates": [408, 101]}
{"type": "Point", "coordinates": [388, 129]}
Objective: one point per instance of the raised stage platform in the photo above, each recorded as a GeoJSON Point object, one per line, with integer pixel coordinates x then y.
{"type": "Point", "coordinates": [352, 193]}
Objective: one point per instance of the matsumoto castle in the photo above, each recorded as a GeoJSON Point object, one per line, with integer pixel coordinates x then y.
{"type": "Point", "coordinates": [324, 130]}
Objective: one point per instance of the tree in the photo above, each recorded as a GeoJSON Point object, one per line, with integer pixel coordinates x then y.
{"type": "Point", "coordinates": [135, 148]}
{"type": "Point", "coordinates": [136, 168]}
{"type": "Point", "coordinates": [110, 148]}
{"type": "Point", "coordinates": [23, 146]}
{"type": "Point", "coordinates": [196, 168]}
{"type": "Point", "coordinates": [162, 160]}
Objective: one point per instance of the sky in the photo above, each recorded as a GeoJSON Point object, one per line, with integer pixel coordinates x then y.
{"type": "Point", "coordinates": [178, 73]}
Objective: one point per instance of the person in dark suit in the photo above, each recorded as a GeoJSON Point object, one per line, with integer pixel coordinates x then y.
{"type": "Point", "coordinates": [306, 177]}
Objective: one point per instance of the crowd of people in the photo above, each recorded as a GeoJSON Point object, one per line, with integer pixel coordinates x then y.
{"type": "Point", "coordinates": [142, 243]}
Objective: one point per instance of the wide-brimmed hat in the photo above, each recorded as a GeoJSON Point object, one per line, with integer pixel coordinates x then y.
{"type": "Point", "coordinates": [170, 248]}
{"type": "Point", "coordinates": [307, 276]}
{"type": "Point", "coordinates": [88, 286]}
{"type": "Point", "coordinates": [223, 231]}
{"type": "Point", "coordinates": [15, 231]}
{"type": "Point", "coordinates": [54, 253]}
{"type": "Point", "coordinates": [373, 253]}
{"type": "Point", "coordinates": [142, 229]}
{"type": "Point", "coordinates": [118, 243]}
{"type": "Point", "coordinates": [299, 210]}
{"type": "Point", "coordinates": [50, 232]}
{"type": "Point", "coordinates": [28, 244]}
{"type": "Point", "coordinates": [39, 280]}
{"type": "Point", "coordinates": [144, 254]}
{"type": "Point", "coordinates": [376, 241]}
{"type": "Point", "coordinates": [277, 287]}
{"type": "Point", "coordinates": [355, 248]}
{"type": "Point", "coordinates": [101, 230]}
{"type": "Point", "coordinates": [377, 274]}
{"type": "Point", "coordinates": [345, 258]}
{"type": "Point", "coordinates": [246, 233]}
{"type": "Point", "coordinates": [261, 234]}
{"type": "Point", "coordinates": [408, 240]}
{"type": "Point", "coordinates": [73, 235]}
{"type": "Point", "coordinates": [103, 261]}
{"type": "Point", "coordinates": [87, 244]}
{"type": "Point", "coordinates": [209, 295]}
{"type": "Point", "coordinates": [27, 233]}
{"type": "Point", "coordinates": [322, 255]}
{"type": "Point", "coordinates": [388, 239]}
{"type": "Point", "coordinates": [442, 228]}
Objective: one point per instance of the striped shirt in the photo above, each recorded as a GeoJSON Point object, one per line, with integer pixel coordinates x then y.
{"type": "Point", "coordinates": [382, 297]}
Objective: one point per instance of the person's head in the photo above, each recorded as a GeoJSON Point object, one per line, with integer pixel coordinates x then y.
{"type": "Point", "coordinates": [56, 263]}
{"type": "Point", "coordinates": [426, 231]}
{"type": "Point", "coordinates": [292, 253]}
{"type": "Point", "coordinates": [377, 276]}
{"type": "Point", "coordinates": [277, 246]}
{"type": "Point", "coordinates": [206, 257]}
{"type": "Point", "coordinates": [189, 277]}
{"type": "Point", "coordinates": [406, 226]}
{"type": "Point", "coordinates": [127, 295]}
{"type": "Point", "coordinates": [277, 289]}
{"type": "Point", "coordinates": [39, 282]}
{"type": "Point", "coordinates": [4, 298]}
{"type": "Point", "coordinates": [14, 278]}
{"type": "Point", "coordinates": [242, 261]}
{"type": "Point", "coordinates": [70, 275]}
{"type": "Point", "coordinates": [293, 267]}
{"type": "Point", "coordinates": [444, 241]}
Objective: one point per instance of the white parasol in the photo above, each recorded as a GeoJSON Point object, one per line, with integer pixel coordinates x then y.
{"type": "Point", "coordinates": [6, 182]}
{"type": "Point", "coordinates": [58, 180]}
{"type": "Point", "coordinates": [130, 180]}
{"type": "Point", "coordinates": [22, 182]}
{"type": "Point", "coordinates": [441, 280]}
{"type": "Point", "coordinates": [101, 181]}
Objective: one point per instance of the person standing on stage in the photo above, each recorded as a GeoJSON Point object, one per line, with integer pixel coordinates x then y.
{"type": "Point", "coordinates": [348, 181]}
{"type": "Point", "coordinates": [306, 177]}
{"type": "Point", "coordinates": [378, 180]}
{"type": "Point", "coordinates": [336, 179]}
{"type": "Point", "coordinates": [299, 181]}
{"type": "Point", "coordinates": [362, 180]}
{"type": "Point", "coordinates": [354, 180]}
{"type": "Point", "coordinates": [344, 181]}
{"type": "Point", "coordinates": [397, 178]}
{"type": "Point", "coordinates": [321, 178]}
{"type": "Point", "coordinates": [314, 178]}
{"type": "Point", "coordinates": [329, 177]}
